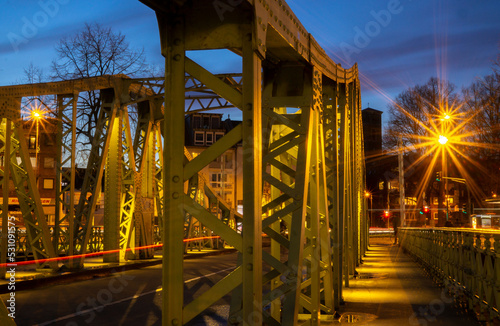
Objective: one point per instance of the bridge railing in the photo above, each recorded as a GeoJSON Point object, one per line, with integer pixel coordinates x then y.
{"type": "Point", "coordinates": [466, 261]}
{"type": "Point", "coordinates": [24, 250]}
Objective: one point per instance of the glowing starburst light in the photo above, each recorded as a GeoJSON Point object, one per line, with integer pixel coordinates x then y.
{"type": "Point", "coordinates": [443, 139]}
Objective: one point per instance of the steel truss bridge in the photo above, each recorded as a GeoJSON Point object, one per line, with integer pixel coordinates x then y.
{"type": "Point", "coordinates": [300, 133]}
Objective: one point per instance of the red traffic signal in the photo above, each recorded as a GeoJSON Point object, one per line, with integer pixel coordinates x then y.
{"type": "Point", "coordinates": [426, 209]}
{"type": "Point", "coordinates": [386, 214]}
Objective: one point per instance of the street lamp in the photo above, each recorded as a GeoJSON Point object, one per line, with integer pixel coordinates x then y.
{"type": "Point", "coordinates": [446, 116]}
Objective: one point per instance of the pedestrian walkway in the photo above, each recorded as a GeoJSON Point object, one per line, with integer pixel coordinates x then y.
{"type": "Point", "coordinates": [392, 289]}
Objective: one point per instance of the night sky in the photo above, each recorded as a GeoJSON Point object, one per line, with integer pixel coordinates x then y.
{"type": "Point", "coordinates": [396, 44]}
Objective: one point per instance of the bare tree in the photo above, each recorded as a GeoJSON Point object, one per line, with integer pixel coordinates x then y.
{"type": "Point", "coordinates": [482, 100]}
{"type": "Point", "coordinates": [415, 111]}
{"type": "Point", "coordinates": [32, 75]}
{"type": "Point", "coordinates": [94, 51]}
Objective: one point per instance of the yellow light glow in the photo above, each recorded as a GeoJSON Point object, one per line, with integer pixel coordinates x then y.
{"type": "Point", "coordinates": [443, 139]}
{"type": "Point", "coordinates": [367, 194]}
{"type": "Point", "coordinates": [447, 117]}
{"type": "Point", "coordinates": [37, 114]}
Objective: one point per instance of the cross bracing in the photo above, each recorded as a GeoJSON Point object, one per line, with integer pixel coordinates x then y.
{"type": "Point", "coordinates": [301, 141]}
{"type": "Point", "coordinates": [300, 136]}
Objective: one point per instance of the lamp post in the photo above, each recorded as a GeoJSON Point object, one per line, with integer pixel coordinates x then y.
{"type": "Point", "coordinates": [443, 140]}
{"type": "Point", "coordinates": [369, 195]}
{"type": "Point", "coordinates": [37, 115]}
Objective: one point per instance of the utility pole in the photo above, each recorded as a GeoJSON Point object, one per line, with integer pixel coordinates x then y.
{"type": "Point", "coordinates": [402, 213]}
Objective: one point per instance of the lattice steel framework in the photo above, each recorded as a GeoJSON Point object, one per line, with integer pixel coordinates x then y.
{"type": "Point", "coordinates": [301, 137]}
{"type": "Point", "coordinates": [130, 153]}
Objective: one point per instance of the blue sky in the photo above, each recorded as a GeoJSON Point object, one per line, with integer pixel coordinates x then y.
{"type": "Point", "coordinates": [396, 43]}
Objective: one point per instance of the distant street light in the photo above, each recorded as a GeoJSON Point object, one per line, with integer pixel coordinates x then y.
{"type": "Point", "coordinates": [369, 195]}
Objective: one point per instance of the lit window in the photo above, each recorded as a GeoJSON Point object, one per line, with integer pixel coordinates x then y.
{"type": "Point", "coordinates": [32, 142]}
{"type": "Point", "coordinates": [48, 183]}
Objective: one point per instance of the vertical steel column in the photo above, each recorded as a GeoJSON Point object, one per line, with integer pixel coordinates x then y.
{"type": "Point", "coordinates": [276, 226]}
{"type": "Point", "coordinates": [65, 139]}
{"type": "Point", "coordinates": [354, 163]}
{"type": "Point", "coordinates": [112, 191]}
{"type": "Point", "coordinates": [298, 219]}
{"type": "Point", "coordinates": [144, 150]}
{"type": "Point", "coordinates": [320, 257]}
{"type": "Point", "coordinates": [37, 230]}
{"type": "Point", "coordinates": [145, 195]}
{"type": "Point", "coordinates": [91, 188]}
{"type": "Point", "coordinates": [173, 41]}
{"type": "Point", "coordinates": [351, 257]}
{"type": "Point", "coordinates": [314, 194]}
{"type": "Point", "coordinates": [158, 176]}
{"type": "Point", "coordinates": [324, 213]}
{"type": "Point", "coordinates": [128, 189]}
{"type": "Point", "coordinates": [343, 179]}
{"type": "Point", "coordinates": [332, 147]}
{"type": "Point", "coordinates": [7, 129]}
{"type": "Point", "coordinates": [252, 183]}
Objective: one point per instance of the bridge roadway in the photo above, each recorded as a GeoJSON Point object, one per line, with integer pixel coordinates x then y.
{"type": "Point", "coordinates": [390, 289]}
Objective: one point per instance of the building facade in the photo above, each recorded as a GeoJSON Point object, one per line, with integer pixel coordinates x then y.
{"type": "Point", "coordinates": [224, 174]}
{"type": "Point", "coordinates": [41, 143]}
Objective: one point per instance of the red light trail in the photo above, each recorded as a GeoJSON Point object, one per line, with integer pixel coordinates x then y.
{"type": "Point", "coordinates": [94, 254]}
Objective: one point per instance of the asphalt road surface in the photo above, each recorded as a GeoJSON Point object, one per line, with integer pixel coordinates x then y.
{"type": "Point", "coordinates": [123, 298]}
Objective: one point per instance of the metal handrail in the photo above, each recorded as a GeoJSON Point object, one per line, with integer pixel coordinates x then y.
{"type": "Point", "coordinates": [465, 261]}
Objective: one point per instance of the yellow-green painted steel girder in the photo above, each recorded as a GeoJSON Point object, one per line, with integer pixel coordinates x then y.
{"type": "Point", "coordinates": [63, 240]}
{"type": "Point", "coordinates": [23, 177]}
{"type": "Point", "coordinates": [5, 177]}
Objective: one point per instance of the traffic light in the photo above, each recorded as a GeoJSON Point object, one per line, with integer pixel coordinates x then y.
{"type": "Point", "coordinates": [426, 209]}
{"type": "Point", "coordinates": [438, 176]}
{"type": "Point", "coordinates": [464, 208]}
{"type": "Point", "coordinates": [386, 214]}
